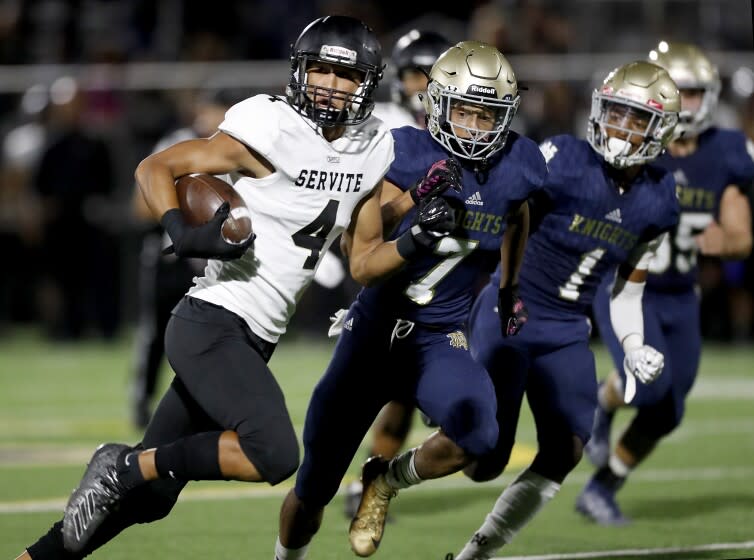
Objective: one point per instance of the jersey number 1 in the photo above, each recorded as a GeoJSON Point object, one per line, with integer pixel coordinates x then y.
{"type": "Point", "coordinates": [572, 288]}
{"type": "Point", "coordinates": [313, 235]}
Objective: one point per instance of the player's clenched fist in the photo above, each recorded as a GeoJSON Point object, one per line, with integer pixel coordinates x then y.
{"type": "Point", "coordinates": [645, 363]}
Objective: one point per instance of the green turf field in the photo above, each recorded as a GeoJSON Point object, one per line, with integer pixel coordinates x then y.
{"type": "Point", "coordinates": [58, 402]}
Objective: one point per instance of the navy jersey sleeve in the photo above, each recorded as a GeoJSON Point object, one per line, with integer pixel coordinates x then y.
{"type": "Point", "coordinates": [407, 166]}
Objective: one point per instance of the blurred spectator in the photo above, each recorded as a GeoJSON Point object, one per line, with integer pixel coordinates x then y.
{"type": "Point", "coordinates": [558, 108]}
{"type": "Point", "coordinates": [19, 210]}
{"type": "Point", "coordinates": [164, 280]}
{"type": "Point", "coordinates": [79, 259]}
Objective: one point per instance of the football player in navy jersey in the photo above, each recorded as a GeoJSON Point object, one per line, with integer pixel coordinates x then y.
{"type": "Point", "coordinates": [405, 337]}
{"type": "Point", "coordinates": [413, 56]}
{"type": "Point", "coordinates": [603, 207]}
{"type": "Point", "coordinates": [710, 166]}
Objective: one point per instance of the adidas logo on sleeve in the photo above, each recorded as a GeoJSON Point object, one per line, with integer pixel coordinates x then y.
{"type": "Point", "coordinates": [475, 199]}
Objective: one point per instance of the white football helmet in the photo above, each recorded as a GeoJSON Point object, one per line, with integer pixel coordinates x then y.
{"type": "Point", "coordinates": [641, 92]}
{"type": "Point", "coordinates": [692, 70]}
{"type": "Point", "coordinates": [477, 73]}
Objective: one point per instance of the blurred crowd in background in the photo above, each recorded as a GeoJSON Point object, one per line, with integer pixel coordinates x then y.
{"type": "Point", "coordinates": [88, 87]}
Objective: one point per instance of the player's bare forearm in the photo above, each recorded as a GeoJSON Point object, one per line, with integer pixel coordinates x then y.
{"type": "Point", "coordinates": [157, 185]}
{"type": "Point", "coordinates": [513, 245]}
{"type": "Point", "coordinates": [217, 155]}
{"type": "Point", "coordinates": [735, 224]}
{"type": "Point", "coordinates": [393, 212]}
{"type": "Point", "coordinates": [369, 265]}
{"type": "Point", "coordinates": [394, 204]}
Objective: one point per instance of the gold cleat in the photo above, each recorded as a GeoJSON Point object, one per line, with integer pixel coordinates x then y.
{"type": "Point", "coordinates": [368, 525]}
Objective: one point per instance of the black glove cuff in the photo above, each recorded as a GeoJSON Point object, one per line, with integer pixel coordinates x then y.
{"type": "Point", "coordinates": [407, 246]}
{"type": "Point", "coordinates": [172, 222]}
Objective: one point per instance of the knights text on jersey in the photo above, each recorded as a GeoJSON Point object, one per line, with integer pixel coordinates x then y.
{"type": "Point", "coordinates": [722, 158]}
{"type": "Point", "coordinates": [296, 212]}
{"type": "Point", "coordinates": [590, 228]}
{"type": "Point", "coordinates": [437, 289]}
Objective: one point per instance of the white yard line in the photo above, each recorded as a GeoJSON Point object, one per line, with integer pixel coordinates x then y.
{"type": "Point", "coordinates": [637, 552]}
{"type": "Point", "coordinates": [238, 491]}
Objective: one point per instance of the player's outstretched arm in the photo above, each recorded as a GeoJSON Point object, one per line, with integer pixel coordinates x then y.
{"type": "Point", "coordinates": [731, 238]}
{"type": "Point", "coordinates": [372, 259]}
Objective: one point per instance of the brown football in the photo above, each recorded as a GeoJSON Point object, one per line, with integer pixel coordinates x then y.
{"type": "Point", "coordinates": [200, 195]}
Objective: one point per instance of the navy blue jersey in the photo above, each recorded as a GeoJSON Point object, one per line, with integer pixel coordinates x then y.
{"type": "Point", "coordinates": [590, 228]}
{"type": "Point", "coordinates": [437, 289]}
{"type": "Point", "coordinates": [722, 158]}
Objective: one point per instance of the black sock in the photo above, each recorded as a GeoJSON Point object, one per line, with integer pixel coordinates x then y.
{"type": "Point", "coordinates": [608, 478]}
{"type": "Point", "coordinates": [191, 458]}
{"type": "Point", "coordinates": [50, 545]}
{"type": "Point", "coordinates": [127, 465]}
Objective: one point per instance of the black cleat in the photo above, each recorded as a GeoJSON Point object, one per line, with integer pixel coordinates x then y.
{"type": "Point", "coordinates": [99, 494]}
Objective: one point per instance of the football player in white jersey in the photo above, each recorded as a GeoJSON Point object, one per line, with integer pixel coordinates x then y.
{"type": "Point", "coordinates": [309, 166]}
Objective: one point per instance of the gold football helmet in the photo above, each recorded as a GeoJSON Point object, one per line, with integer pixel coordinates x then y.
{"type": "Point", "coordinates": [471, 73]}
{"type": "Point", "coordinates": [636, 99]}
{"type": "Point", "coordinates": [692, 70]}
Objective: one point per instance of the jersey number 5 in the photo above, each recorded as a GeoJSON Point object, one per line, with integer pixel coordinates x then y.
{"type": "Point", "coordinates": [681, 250]}
{"type": "Point", "coordinates": [313, 235]}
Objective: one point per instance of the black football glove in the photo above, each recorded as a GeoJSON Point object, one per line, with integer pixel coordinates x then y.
{"type": "Point", "coordinates": [204, 241]}
{"type": "Point", "coordinates": [512, 311]}
{"type": "Point", "coordinates": [443, 175]}
{"type": "Point", "coordinates": [434, 220]}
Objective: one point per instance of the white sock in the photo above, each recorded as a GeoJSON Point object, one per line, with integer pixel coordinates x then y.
{"type": "Point", "coordinates": [618, 467]}
{"type": "Point", "coordinates": [515, 507]}
{"type": "Point", "coordinates": [282, 553]}
{"type": "Point", "coordinates": [401, 472]}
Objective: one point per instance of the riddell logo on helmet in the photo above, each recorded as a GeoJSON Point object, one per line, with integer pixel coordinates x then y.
{"type": "Point", "coordinates": [337, 53]}
{"type": "Point", "coordinates": [482, 90]}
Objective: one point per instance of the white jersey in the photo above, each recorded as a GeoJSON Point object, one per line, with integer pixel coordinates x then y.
{"type": "Point", "coordinates": [394, 115]}
{"type": "Point", "coordinates": [296, 212]}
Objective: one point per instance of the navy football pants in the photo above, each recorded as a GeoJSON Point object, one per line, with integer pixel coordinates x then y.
{"type": "Point", "coordinates": [549, 360]}
{"type": "Point", "coordinates": [432, 368]}
{"type": "Point", "coordinates": [671, 325]}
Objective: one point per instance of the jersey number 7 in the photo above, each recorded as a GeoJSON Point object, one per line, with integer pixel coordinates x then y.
{"type": "Point", "coordinates": [455, 249]}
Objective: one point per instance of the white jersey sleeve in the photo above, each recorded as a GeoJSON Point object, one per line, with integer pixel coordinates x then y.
{"type": "Point", "coordinates": [296, 212]}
